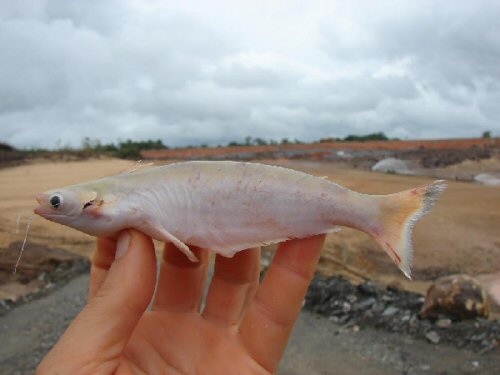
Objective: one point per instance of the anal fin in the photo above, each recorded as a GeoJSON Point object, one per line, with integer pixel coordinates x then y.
{"type": "Point", "coordinates": [229, 250]}
{"type": "Point", "coordinates": [162, 234]}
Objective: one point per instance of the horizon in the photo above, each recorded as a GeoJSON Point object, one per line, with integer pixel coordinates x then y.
{"type": "Point", "coordinates": [96, 143]}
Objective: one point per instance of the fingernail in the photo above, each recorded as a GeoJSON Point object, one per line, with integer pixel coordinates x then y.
{"type": "Point", "coordinates": [122, 245]}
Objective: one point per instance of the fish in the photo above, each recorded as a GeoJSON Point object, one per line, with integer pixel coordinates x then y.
{"type": "Point", "coordinates": [229, 206]}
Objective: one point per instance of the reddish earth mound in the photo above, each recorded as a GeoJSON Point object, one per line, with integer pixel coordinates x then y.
{"type": "Point", "coordinates": [318, 148]}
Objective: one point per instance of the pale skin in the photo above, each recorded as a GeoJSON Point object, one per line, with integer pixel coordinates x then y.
{"type": "Point", "coordinates": [243, 329]}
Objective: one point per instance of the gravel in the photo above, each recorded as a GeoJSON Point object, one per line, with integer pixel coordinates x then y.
{"type": "Point", "coordinates": [394, 310]}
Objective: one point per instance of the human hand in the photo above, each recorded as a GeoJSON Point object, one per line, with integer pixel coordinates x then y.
{"type": "Point", "coordinates": [243, 329]}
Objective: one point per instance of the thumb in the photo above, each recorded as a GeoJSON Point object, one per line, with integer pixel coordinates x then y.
{"type": "Point", "coordinates": [101, 331]}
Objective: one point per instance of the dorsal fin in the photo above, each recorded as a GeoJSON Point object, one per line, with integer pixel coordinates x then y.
{"type": "Point", "coordinates": [138, 165]}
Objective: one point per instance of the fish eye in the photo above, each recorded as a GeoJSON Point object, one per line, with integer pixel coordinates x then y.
{"type": "Point", "coordinates": [56, 200]}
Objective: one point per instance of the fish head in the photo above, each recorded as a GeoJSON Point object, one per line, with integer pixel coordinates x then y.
{"type": "Point", "coordinates": [81, 207]}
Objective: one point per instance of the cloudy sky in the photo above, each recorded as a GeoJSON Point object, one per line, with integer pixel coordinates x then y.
{"type": "Point", "coordinates": [193, 72]}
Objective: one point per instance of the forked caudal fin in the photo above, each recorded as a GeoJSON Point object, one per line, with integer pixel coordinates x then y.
{"type": "Point", "coordinates": [399, 213]}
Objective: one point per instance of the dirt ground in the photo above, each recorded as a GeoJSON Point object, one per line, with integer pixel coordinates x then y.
{"type": "Point", "coordinates": [319, 148]}
{"type": "Point", "coordinates": [459, 235]}
{"type": "Point", "coordinates": [318, 345]}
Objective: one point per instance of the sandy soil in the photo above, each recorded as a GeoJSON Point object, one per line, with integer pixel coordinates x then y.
{"type": "Point", "coordinates": [467, 169]}
{"type": "Point", "coordinates": [19, 186]}
{"type": "Point", "coordinates": [460, 235]}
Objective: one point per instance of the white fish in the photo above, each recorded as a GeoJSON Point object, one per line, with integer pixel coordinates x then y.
{"type": "Point", "coordinates": [230, 206]}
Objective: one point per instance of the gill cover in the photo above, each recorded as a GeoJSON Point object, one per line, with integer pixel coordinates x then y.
{"type": "Point", "coordinates": [88, 197]}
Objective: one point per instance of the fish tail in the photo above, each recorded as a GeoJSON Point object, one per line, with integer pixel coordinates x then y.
{"type": "Point", "coordinates": [398, 214]}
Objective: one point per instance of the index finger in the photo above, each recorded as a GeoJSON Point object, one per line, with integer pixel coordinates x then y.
{"type": "Point", "coordinates": [269, 321]}
{"type": "Point", "coordinates": [101, 262]}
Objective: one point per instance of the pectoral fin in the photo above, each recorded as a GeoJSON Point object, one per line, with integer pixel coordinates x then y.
{"type": "Point", "coordinates": [161, 234]}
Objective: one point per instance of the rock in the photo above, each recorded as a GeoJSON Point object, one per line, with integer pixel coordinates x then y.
{"type": "Point", "coordinates": [432, 337]}
{"type": "Point", "coordinates": [425, 367]}
{"type": "Point", "coordinates": [346, 307]}
{"type": "Point", "coordinates": [406, 316]}
{"type": "Point", "coordinates": [366, 304]}
{"type": "Point", "coordinates": [487, 346]}
{"type": "Point", "coordinates": [471, 367]}
{"type": "Point", "coordinates": [344, 319]}
{"type": "Point", "coordinates": [377, 308]}
{"type": "Point", "coordinates": [456, 297]}
{"type": "Point", "coordinates": [390, 311]}
{"type": "Point", "coordinates": [266, 259]}
{"type": "Point", "coordinates": [391, 165]}
{"type": "Point", "coordinates": [443, 323]}
{"type": "Point", "coordinates": [489, 179]}
{"type": "Point", "coordinates": [369, 288]}
{"type": "Point", "coordinates": [395, 311]}
{"type": "Point", "coordinates": [351, 298]}
{"type": "Point", "coordinates": [387, 298]}
{"type": "Point", "coordinates": [334, 319]}
{"type": "Point", "coordinates": [479, 337]}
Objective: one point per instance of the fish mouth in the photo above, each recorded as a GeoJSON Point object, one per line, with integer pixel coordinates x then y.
{"type": "Point", "coordinates": [49, 216]}
{"type": "Point", "coordinates": [40, 211]}
{"type": "Point", "coordinates": [41, 199]}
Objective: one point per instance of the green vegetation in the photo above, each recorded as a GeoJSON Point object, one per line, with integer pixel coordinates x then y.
{"type": "Point", "coordinates": [127, 149]}
{"type": "Point", "coordinates": [132, 149]}
{"type": "Point", "coordinates": [9, 155]}
{"type": "Point", "coordinates": [379, 136]}
{"type": "Point", "coordinates": [6, 147]}
{"type": "Point", "coordinates": [249, 141]}
{"type": "Point", "coordinates": [123, 149]}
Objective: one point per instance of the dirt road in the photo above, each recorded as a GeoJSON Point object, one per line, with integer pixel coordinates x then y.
{"type": "Point", "coordinates": [318, 346]}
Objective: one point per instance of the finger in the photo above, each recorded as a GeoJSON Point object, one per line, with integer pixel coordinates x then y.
{"type": "Point", "coordinates": [272, 314]}
{"type": "Point", "coordinates": [101, 262]}
{"type": "Point", "coordinates": [182, 283]}
{"type": "Point", "coordinates": [233, 285]}
{"type": "Point", "coordinates": [105, 325]}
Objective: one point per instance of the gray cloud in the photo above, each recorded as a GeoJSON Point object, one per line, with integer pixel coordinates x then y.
{"type": "Point", "coordinates": [192, 74]}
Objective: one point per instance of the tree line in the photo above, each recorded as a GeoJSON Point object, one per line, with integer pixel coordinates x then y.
{"type": "Point", "coordinates": [130, 149]}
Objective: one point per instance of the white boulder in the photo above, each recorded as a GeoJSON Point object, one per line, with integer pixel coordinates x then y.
{"type": "Point", "coordinates": [391, 165]}
{"type": "Point", "coordinates": [490, 179]}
